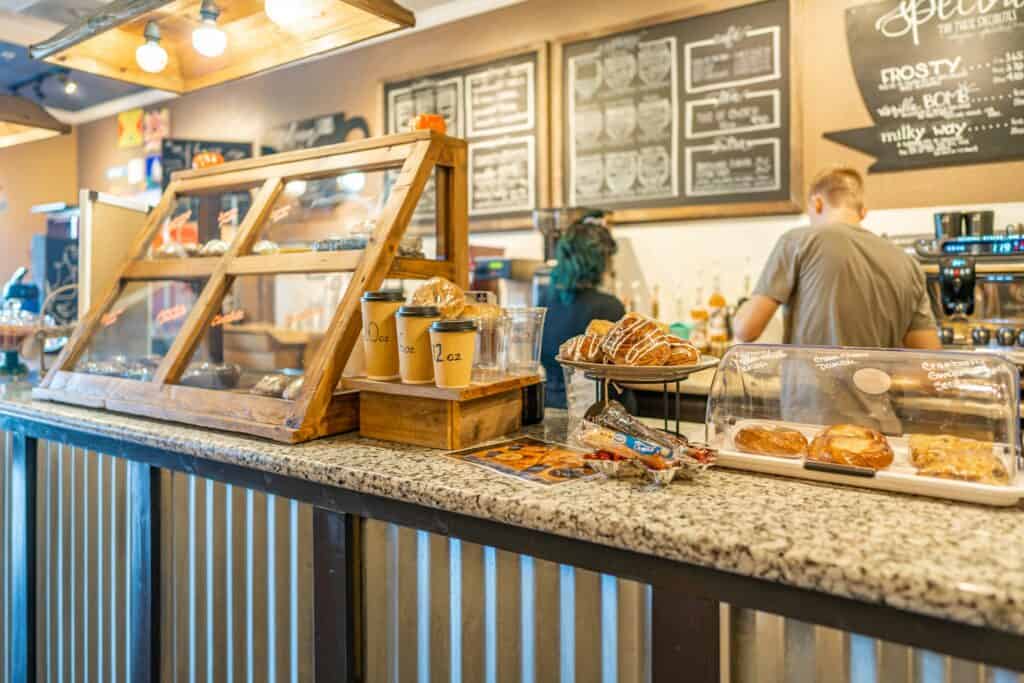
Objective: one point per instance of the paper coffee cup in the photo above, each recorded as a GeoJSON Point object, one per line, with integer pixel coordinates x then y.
{"type": "Point", "coordinates": [452, 343]}
{"type": "Point", "coordinates": [415, 362]}
{"type": "Point", "coordinates": [380, 337]}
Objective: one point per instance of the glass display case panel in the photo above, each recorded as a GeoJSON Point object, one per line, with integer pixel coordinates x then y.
{"type": "Point", "coordinates": [878, 413]}
{"type": "Point", "coordinates": [330, 213]}
{"type": "Point", "coordinates": [201, 225]}
{"type": "Point", "coordinates": [136, 332]}
{"type": "Point", "coordinates": [267, 331]}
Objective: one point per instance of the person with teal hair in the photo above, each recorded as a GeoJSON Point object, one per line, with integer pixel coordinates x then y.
{"type": "Point", "coordinates": [573, 299]}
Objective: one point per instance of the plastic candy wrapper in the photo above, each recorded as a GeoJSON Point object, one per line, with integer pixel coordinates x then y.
{"type": "Point", "coordinates": [652, 455]}
{"type": "Point", "coordinates": [439, 292]}
{"type": "Point", "coordinates": [614, 415]}
{"type": "Point", "coordinates": [610, 429]}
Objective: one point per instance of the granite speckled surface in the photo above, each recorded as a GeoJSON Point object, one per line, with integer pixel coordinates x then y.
{"type": "Point", "coordinates": [956, 561]}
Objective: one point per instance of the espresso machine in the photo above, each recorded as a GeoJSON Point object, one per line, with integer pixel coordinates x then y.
{"type": "Point", "coordinates": [976, 286]}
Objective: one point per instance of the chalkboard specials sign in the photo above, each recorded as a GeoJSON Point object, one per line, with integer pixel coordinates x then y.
{"type": "Point", "coordinates": [499, 106]}
{"type": "Point", "coordinates": [681, 116]}
{"type": "Point", "coordinates": [943, 81]}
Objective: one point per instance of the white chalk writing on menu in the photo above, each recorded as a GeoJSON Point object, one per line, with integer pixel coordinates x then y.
{"type": "Point", "coordinates": [500, 100]}
{"type": "Point", "coordinates": [737, 76]}
{"type": "Point", "coordinates": [942, 80]}
{"type": "Point", "coordinates": [495, 108]}
{"type": "Point", "coordinates": [733, 166]}
{"type": "Point", "coordinates": [740, 56]}
{"type": "Point", "coordinates": [503, 175]}
{"type": "Point", "coordinates": [623, 100]}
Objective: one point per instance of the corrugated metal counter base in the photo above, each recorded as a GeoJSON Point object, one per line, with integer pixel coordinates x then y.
{"type": "Point", "coordinates": [948, 560]}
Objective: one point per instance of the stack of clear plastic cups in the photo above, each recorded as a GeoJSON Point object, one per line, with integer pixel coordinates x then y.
{"type": "Point", "coordinates": [525, 333]}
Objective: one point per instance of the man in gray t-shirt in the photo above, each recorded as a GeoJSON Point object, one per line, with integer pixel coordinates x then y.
{"type": "Point", "coordinates": [839, 284]}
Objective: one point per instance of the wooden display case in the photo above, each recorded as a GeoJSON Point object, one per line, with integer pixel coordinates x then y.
{"type": "Point", "coordinates": [147, 336]}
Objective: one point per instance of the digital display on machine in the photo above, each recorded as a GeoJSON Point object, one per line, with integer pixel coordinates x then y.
{"type": "Point", "coordinates": [1003, 246]}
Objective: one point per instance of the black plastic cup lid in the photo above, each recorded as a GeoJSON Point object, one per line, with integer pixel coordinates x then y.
{"type": "Point", "coordinates": [419, 312]}
{"type": "Point", "coordinates": [384, 295]}
{"type": "Point", "coordinates": [454, 326]}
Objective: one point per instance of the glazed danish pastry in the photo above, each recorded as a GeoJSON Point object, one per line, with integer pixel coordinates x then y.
{"type": "Point", "coordinates": [682, 352]}
{"type": "Point", "coordinates": [638, 341]}
{"type": "Point", "coordinates": [781, 442]}
{"type": "Point", "coordinates": [851, 445]}
{"type": "Point", "coordinates": [585, 347]}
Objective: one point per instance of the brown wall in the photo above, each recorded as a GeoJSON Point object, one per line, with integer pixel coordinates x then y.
{"type": "Point", "coordinates": [34, 173]}
{"type": "Point", "coordinates": [350, 82]}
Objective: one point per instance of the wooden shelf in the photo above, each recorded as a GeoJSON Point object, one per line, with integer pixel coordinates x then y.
{"type": "Point", "coordinates": [280, 264]}
{"type": "Point", "coordinates": [473, 391]}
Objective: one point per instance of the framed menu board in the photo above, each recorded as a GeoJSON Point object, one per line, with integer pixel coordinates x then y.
{"type": "Point", "coordinates": [681, 116]}
{"type": "Point", "coordinates": [499, 104]}
{"type": "Point", "coordinates": [943, 88]}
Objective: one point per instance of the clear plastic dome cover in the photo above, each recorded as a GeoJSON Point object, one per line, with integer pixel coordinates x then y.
{"type": "Point", "coordinates": [871, 412]}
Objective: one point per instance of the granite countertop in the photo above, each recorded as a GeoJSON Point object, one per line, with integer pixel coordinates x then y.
{"type": "Point", "coordinates": [950, 560]}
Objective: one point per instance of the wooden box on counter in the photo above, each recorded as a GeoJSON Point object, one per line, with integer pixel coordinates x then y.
{"type": "Point", "coordinates": [318, 409]}
{"type": "Point", "coordinates": [449, 419]}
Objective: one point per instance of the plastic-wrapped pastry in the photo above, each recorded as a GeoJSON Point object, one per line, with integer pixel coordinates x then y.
{"type": "Point", "coordinates": [341, 244]}
{"type": "Point", "coordinates": [411, 246]}
{"type": "Point", "coordinates": [953, 457]}
{"type": "Point", "coordinates": [771, 440]}
{"type": "Point", "coordinates": [212, 376]}
{"type": "Point", "coordinates": [265, 247]}
{"type": "Point", "coordinates": [138, 371]}
{"type": "Point", "coordinates": [170, 250]}
{"type": "Point", "coordinates": [682, 352]}
{"type": "Point", "coordinates": [439, 292]}
{"type": "Point", "coordinates": [191, 249]}
{"type": "Point", "coordinates": [637, 340]}
{"type": "Point", "coordinates": [271, 385]}
{"type": "Point", "coordinates": [214, 248]}
{"type": "Point", "coordinates": [851, 445]}
{"type": "Point", "coordinates": [294, 389]}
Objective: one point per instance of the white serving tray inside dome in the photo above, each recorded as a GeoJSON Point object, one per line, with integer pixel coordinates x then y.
{"type": "Point", "coordinates": [900, 477]}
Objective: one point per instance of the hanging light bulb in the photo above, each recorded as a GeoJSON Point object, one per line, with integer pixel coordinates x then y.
{"type": "Point", "coordinates": [208, 39]}
{"type": "Point", "coordinates": [289, 13]}
{"type": "Point", "coordinates": [150, 57]}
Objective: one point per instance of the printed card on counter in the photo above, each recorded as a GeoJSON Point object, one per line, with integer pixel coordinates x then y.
{"type": "Point", "coordinates": [529, 459]}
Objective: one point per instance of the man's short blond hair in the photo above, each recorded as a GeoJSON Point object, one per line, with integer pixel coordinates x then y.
{"type": "Point", "coordinates": [841, 187]}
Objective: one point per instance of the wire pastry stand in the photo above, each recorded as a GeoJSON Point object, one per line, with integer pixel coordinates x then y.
{"type": "Point", "coordinates": [604, 375]}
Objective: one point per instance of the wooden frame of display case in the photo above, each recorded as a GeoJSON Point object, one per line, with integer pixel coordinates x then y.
{"type": "Point", "coordinates": [319, 409]}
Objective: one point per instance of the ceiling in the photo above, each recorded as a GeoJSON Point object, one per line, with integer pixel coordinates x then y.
{"type": "Point", "coordinates": [24, 22]}
{"type": "Point", "coordinates": [57, 11]}
{"type": "Point", "coordinates": [44, 83]}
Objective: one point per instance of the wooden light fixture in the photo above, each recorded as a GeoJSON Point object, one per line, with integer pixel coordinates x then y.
{"type": "Point", "coordinates": [261, 35]}
{"type": "Point", "coordinates": [23, 120]}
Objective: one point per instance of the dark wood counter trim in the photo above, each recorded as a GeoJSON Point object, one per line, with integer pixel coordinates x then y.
{"type": "Point", "coordinates": [23, 521]}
